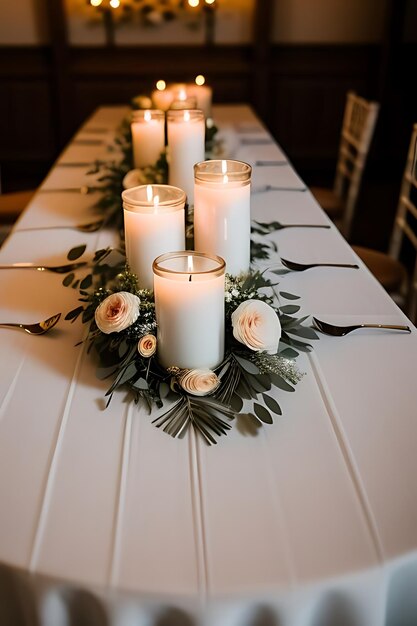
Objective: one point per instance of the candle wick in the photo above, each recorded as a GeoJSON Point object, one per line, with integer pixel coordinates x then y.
{"type": "Point", "coordinates": [189, 280]}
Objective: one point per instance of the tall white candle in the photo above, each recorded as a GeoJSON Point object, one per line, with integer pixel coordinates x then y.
{"type": "Point", "coordinates": [148, 136]}
{"type": "Point", "coordinates": [203, 93]}
{"type": "Point", "coordinates": [222, 212]}
{"type": "Point", "coordinates": [161, 96]}
{"type": "Point", "coordinates": [186, 134]}
{"type": "Point", "coordinates": [189, 306]}
{"type": "Point", "coordinates": [154, 224]}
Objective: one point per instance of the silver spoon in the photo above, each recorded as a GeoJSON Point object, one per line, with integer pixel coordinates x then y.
{"type": "Point", "coordinates": [40, 328]}
{"type": "Point", "coordinates": [340, 331]}
{"type": "Point", "coordinates": [57, 269]}
{"type": "Point", "coordinates": [270, 163]}
{"type": "Point", "coordinates": [272, 188]}
{"type": "Point", "coordinates": [90, 227]}
{"type": "Point", "coordinates": [300, 267]}
{"type": "Point", "coordinates": [84, 190]}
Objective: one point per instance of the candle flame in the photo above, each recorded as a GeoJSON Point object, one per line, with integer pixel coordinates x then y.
{"type": "Point", "coordinates": [200, 80]}
{"type": "Point", "coordinates": [182, 95]}
{"type": "Point", "coordinates": [147, 116]}
{"type": "Point", "coordinates": [156, 203]}
{"type": "Point", "coordinates": [114, 4]}
{"type": "Point", "coordinates": [193, 3]}
{"type": "Point", "coordinates": [210, 1]}
{"type": "Point", "coordinates": [95, 3]}
{"type": "Point", "coordinates": [190, 264]}
{"type": "Point", "coordinates": [224, 166]}
{"type": "Point", "coordinates": [225, 178]}
{"type": "Point", "coordinates": [186, 116]}
{"type": "Point", "coordinates": [149, 193]}
{"type": "Point", "coordinates": [160, 85]}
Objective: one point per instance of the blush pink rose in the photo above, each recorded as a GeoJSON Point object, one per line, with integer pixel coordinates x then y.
{"type": "Point", "coordinates": [256, 325]}
{"type": "Point", "coordinates": [117, 312]}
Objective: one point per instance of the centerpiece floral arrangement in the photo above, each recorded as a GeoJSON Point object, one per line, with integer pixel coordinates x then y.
{"type": "Point", "coordinates": [262, 342]}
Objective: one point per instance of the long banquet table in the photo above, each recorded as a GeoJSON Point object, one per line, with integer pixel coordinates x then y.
{"type": "Point", "coordinates": [104, 519]}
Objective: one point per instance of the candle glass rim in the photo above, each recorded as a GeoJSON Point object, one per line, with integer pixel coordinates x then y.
{"type": "Point", "coordinates": [176, 115]}
{"type": "Point", "coordinates": [243, 175]}
{"type": "Point", "coordinates": [174, 204]}
{"type": "Point", "coordinates": [190, 104]}
{"type": "Point", "coordinates": [139, 115]}
{"type": "Point", "coordinates": [165, 272]}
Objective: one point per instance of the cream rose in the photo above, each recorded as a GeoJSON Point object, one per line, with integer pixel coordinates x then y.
{"type": "Point", "coordinates": [256, 325]}
{"type": "Point", "coordinates": [199, 382]}
{"type": "Point", "coordinates": [147, 346]}
{"type": "Point", "coordinates": [117, 312]}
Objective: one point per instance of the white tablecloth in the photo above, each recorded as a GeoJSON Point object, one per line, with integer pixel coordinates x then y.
{"type": "Point", "coordinates": [104, 519]}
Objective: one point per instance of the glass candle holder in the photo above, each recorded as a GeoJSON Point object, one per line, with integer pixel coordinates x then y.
{"type": "Point", "coordinates": [189, 305]}
{"type": "Point", "coordinates": [148, 136]}
{"type": "Point", "coordinates": [154, 224]}
{"type": "Point", "coordinates": [186, 134]}
{"type": "Point", "coordinates": [222, 212]}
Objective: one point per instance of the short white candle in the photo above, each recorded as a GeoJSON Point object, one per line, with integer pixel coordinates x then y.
{"type": "Point", "coordinates": [161, 96]}
{"type": "Point", "coordinates": [148, 136]}
{"type": "Point", "coordinates": [222, 212]}
{"type": "Point", "coordinates": [189, 306]}
{"type": "Point", "coordinates": [154, 224]}
{"type": "Point", "coordinates": [186, 135]}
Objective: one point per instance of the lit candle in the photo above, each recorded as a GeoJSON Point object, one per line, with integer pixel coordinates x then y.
{"type": "Point", "coordinates": [203, 94]}
{"type": "Point", "coordinates": [148, 136]}
{"type": "Point", "coordinates": [189, 306]}
{"type": "Point", "coordinates": [154, 224]}
{"type": "Point", "coordinates": [222, 212]}
{"type": "Point", "coordinates": [161, 96]}
{"type": "Point", "coordinates": [186, 131]}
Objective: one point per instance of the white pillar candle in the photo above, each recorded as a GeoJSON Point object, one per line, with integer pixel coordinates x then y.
{"type": "Point", "coordinates": [148, 136]}
{"type": "Point", "coordinates": [161, 96]}
{"type": "Point", "coordinates": [186, 134]}
{"type": "Point", "coordinates": [203, 93]}
{"type": "Point", "coordinates": [222, 212]}
{"type": "Point", "coordinates": [154, 224]}
{"type": "Point", "coordinates": [189, 306]}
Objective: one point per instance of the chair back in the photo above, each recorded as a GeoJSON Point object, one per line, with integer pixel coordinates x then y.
{"type": "Point", "coordinates": [357, 131]}
{"type": "Point", "coordinates": [406, 220]}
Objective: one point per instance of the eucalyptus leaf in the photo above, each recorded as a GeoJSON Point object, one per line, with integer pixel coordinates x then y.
{"type": "Point", "coordinates": [75, 253]}
{"type": "Point", "coordinates": [72, 315]}
{"type": "Point", "coordinates": [302, 331]}
{"type": "Point", "coordinates": [68, 279]}
{"type": "Point", "coordinates": [289, 309]}
{"type": "Point", "coordinates": [236, 403]}
{"type": "Point", "coordinates": [163, 390]}
{"type": "Point", "coordinates": [281, 383]}
{"type": "Point", "coordinates": [262, 413]}
{"type": "Point", "coordinates": [247, 365]}
{"type": "Point", "coordinates": [86, 282]}
{"type": "Point", "coordinates": [272, 404]}
{"type": "Point", "coordinates": [288, 296]}
{"type": "Point", "coordinates": [289, 353]}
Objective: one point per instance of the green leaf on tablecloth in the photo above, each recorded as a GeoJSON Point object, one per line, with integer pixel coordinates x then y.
{"type": "Point", "coordinates": [236, 403]}
{"type": "Point", "coordinates": [72, 315]}
{"type": "Point", "coordinates": [86, 282]}
{"type": "Point", "coordinates": [272, 404]}
{"type": "Point", "coordinates": [76, 252]}
{"type": "Point", "coordinates": [302, 331]}
{"type": "Point", "coordinates": [288, 296]}
{"type": "Point", "coordinates": [289, 309]}
{"type": "Point", "coordinates": [281, 383]}
{"type": "Point", "coordinates": [163, 390]}
{"type": "Point", "coordinates": [262, 413]}
{"type": "Point", "coordinates": [68, 279]}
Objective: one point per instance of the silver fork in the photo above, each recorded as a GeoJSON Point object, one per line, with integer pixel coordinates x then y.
{"type": "Point", "coordinates": [341, 331]}
{"type": "Point", "coordinates": [40, 328]}
{"type": "Point", "coordinates": [84, 190]}
{"type": "Point", "coordinates": [301, 267]}
{"type": "Point", "coordinates": [90, 227]}
{"type": "Point", "coordinates": [57, 269]}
